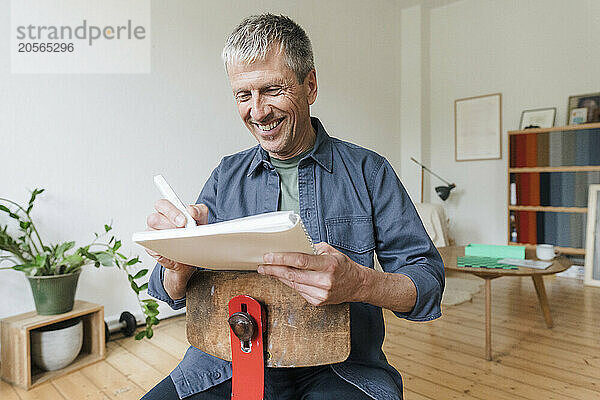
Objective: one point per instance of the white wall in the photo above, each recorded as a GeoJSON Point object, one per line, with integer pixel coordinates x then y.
{"type": "Point", "coordinates": [536, 53]}
{"type": "Point", "coordinates": [95, 141]}
{"type": "Point", "coordinates": [411, 83]}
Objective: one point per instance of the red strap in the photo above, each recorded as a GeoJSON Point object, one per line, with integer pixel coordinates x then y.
{"type": "Point", "coordinates": [248, 379]}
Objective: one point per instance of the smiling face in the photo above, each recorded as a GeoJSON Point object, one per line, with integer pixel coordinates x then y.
{"type": "Point", "coordinates": [273, 105]}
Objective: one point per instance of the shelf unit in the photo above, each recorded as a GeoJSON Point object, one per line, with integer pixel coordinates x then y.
{"type": "Point", "coordinates": [551, 169]}
{"type": "Point", "coordinates": [17, 364]}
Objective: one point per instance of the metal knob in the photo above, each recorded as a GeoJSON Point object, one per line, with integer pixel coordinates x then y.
{"type": "Point", "coordinates": [243, 325]}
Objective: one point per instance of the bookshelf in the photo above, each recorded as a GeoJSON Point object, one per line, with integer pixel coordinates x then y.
{"type": "Point", "coordinates": [549, 171]}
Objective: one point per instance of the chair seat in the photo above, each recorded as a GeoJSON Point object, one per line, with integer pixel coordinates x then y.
{"type": "Point", "coordinates": [298, 333]}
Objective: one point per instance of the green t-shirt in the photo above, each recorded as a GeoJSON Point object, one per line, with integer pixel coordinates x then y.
{"type": "Point", "coordinates": [288, 182]}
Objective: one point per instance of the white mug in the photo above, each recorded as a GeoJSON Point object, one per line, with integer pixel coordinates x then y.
{"type": "Point", "coordinates": [545, 251]}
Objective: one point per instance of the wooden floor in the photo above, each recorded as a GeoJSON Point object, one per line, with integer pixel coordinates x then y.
{"type": "Point", "coordinates": [443, 359]}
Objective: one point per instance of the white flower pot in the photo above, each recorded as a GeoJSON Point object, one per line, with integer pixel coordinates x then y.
{"type": "Point", "coordinates": [58, 345]}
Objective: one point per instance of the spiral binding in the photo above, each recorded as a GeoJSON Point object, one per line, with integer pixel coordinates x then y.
{"type": "Point", "coordinates": [307, 236]}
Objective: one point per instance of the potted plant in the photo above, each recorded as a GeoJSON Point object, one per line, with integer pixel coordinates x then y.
{"type": "Point", "coordinates": [53, 270]}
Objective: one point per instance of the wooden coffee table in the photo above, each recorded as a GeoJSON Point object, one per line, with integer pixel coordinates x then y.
{"type": "Point", "coordinates": [560, 264]}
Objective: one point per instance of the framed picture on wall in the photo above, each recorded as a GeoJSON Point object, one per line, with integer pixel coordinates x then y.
{"type": "Point", "coordinates": [538, 118]}
{"type": "Point", "coordinates": [578, 116]}
{"type": "Point", "coordinates": [590, 101]}
{"type": "Point", "coordinates": [592, 245]}
{"type": "Point", "coordinates": [478, 127]}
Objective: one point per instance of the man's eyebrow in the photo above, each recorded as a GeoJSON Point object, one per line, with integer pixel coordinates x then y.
{"type": "Point", "coordinates": [271, 86]}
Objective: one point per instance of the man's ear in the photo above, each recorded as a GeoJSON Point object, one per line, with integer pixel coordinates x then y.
{"type": "Point", "coordinates": [310, 83]}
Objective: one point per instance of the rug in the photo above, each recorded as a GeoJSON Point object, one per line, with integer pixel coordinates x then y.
{"type": "Point", "coordinates": [459, 290]}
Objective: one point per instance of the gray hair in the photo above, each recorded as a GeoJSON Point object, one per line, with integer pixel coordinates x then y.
{"type": "Point", "coordinates": [251, 40]}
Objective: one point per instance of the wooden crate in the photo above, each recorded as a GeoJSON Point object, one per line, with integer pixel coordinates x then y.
{"type": "Point", "coordinates": [17, 367]}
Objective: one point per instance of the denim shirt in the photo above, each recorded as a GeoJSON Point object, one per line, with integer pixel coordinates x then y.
{"type": "Point", "coordinates": [351, 198]}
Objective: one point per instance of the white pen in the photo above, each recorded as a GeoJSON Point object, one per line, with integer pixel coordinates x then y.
{"type": "Point", "coordinates": [169, 194]}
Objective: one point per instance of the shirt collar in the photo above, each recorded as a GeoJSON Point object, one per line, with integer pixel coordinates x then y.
{"type": "Point", "coordinates": [322, 151]}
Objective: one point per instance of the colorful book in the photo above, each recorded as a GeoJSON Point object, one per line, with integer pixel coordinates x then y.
{"type": "Point", "coordinates": [543, 142]}
{"type": "Point", "coordinates": [530, 150]}
{"type": "Point", "coordinates": [532, 225]}
{"type": "Point", "coordinates": [521, 152]}
{"type": "Point", "coordinates": [498, 251]}
{"type": "Point", "coordinates": [525, 190]}
{"type": "Point", "coordinates": [524, 224]}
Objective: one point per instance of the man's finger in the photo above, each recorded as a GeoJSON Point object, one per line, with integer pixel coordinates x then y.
{"type": "Point", "coordinates": [152, 253]}
{"type": "Point", "coordinates": [166, 208]}
{"type": "Point", "coordinates": [157, 221]}
{"type": "Point", "coordinates": [305, 277]}
{"type": "Point", "coordinates": [311, 294]}
{"type": "Point", "coordinates": [325, 248]}
{"type": "Point", "coordinates": [298, 260]}
{"type": "Point", "coordinates": [199, 212]}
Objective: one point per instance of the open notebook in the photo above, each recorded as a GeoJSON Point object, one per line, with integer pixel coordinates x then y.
{"type": "Point", "coordinates": [237, 244]}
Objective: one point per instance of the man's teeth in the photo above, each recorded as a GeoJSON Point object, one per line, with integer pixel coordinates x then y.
{"type": "Point", "coordinates": [266, 128]}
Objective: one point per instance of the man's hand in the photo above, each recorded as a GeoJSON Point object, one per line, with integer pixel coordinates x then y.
{"type": "Point", "coordinates": [330, 277]}
{"type": "Point", "coordinates": [167, 216]}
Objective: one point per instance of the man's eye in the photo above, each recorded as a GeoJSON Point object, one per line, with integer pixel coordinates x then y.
{"type": "Point", "coordinates": [243, 97]}
{"type": "Point", "coordinates": [273, 91]}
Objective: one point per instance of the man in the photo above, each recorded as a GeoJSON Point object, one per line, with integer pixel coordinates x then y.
{"type": "Point", "coordinates": [351, 202]}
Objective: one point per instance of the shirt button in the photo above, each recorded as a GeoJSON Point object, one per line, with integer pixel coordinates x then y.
{"type": "Point", "coordinates": [217, 375]}
{"type": "Point", "coordinates": [308, 213]}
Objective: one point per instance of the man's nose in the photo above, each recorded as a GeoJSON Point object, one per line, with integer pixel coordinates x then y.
{"type": "Point", "coordinates": [260, 110]}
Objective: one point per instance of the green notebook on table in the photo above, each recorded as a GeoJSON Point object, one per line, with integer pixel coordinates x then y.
{"type": "Point", "coordinates": [487, 256]}
{"type": "Point", "coordinates": [496, 251]}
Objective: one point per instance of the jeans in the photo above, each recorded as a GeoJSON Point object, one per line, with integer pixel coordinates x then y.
{"type": "Point", "coordinates": [309, 383]}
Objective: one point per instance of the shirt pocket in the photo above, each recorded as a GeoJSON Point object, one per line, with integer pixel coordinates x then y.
{"type": "Point", "coordinates": [353, 236]}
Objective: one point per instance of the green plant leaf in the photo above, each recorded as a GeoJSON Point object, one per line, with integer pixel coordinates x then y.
{"type": "Point", "coordinates": [140, 335]}
{"type": "Point", "coordinates": [117, 245]}
{"type": "Point", "coordinates": [107, 228]}
{"type": "Point", "coordinates": [34, 194]}
{"type": "Point", "coordinates": [140, 273]}
{"type": "Point", "coordinates": [105, 259]}
{"type": "Point", "coordinates": [9, 212]}
{"type": "Point", "coordinates": [74, 259]}
{"type": "Point", "coordinates": [24, 224]}
{"type": "Point", "coordinates": [40, 260]}
{"type": "Point", "coordinates": [144, 286]}
{"type": "Point", "coordinates": [135, 287]}
{"type": "Point", "coordinates": [85, 253]}
{"type": "Point", "coordinates": [149, 332]}
{"type": "Point", "coordinates": [152, 321]}
{"type": "Point", "coordinates": [151, 312]}
{"type": "Point", "coordinates": [60, 250]}
{"type": "Point", "coordinates": [135, 261]}
{"type": "Point", "coordinates": [26, 268]}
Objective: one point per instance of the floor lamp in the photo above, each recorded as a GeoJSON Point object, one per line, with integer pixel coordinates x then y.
{"type": "Point", "coordinates": [442, 191]}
